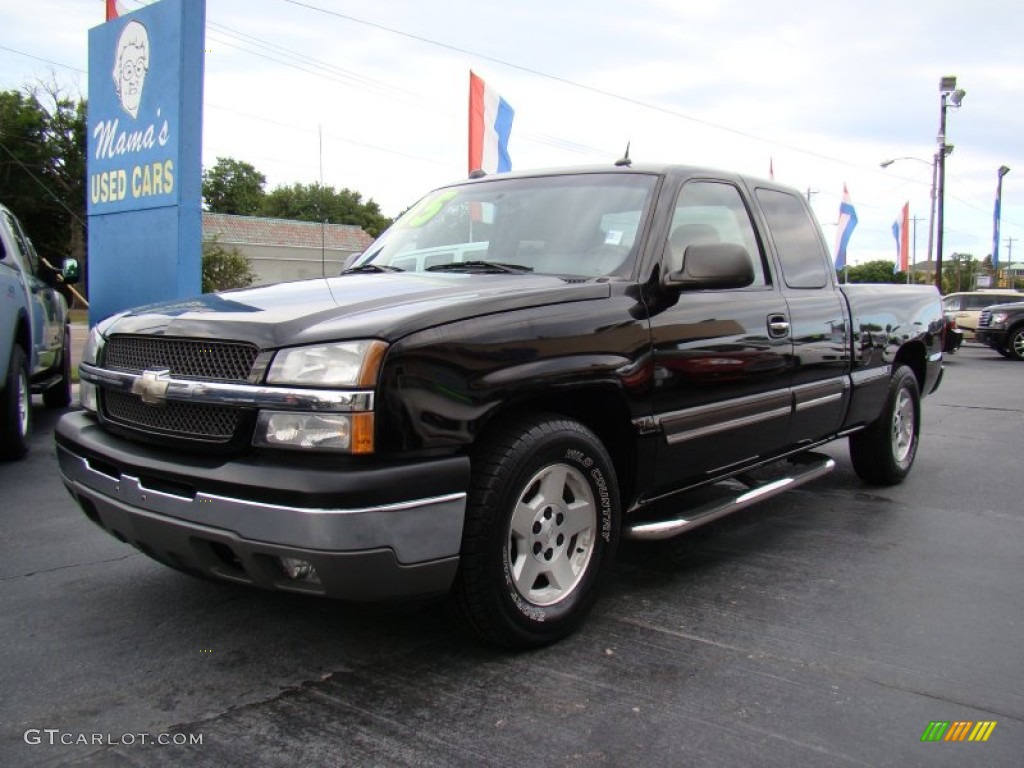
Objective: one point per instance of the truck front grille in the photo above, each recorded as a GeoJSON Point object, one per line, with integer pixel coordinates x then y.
{"type": "Point", "coordinates": [986, 318]}
{"type": "Point", "coordinates": [206, 360]}
{"type": "Point", "coordinates": [186, 358]}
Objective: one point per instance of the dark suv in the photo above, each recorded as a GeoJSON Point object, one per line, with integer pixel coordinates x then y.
{"type": "Point", "coordinates": [1001, 327]}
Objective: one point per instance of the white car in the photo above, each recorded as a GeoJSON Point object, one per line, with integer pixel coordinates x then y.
{"type": "Point", "coordinates": [965, 307]}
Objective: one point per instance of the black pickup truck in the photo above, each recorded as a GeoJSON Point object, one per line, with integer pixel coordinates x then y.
{"type": "Point", "coordinates": [522, 369]}
{"type": "Point", "coordinates": [1001, 327]}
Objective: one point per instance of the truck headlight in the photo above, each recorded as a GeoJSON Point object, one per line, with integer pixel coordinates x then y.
{"type": "Point", "coordinates": [335, 432]}
{"type": "Point", "coordinates": [999, 318]}
{"type": "Point", "coordinates": [91, 355]}
{"type": "Point", "coordinates": [343, 364]}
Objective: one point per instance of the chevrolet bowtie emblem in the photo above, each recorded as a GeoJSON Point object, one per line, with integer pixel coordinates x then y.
{"type": "Point", "coordinates": [152, 387]}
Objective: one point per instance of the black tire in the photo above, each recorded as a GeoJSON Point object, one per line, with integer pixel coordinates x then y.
{"type": "Point", "coordinates": [15, 408]}
{"type": "Point", "coordinates": [1015, 344]}
{"type": "Point", "coordinates": [59, 395]}
{"type": "Point", "coordinates": [526, 581]}
{"type": "Point", "coordinates": [883, 452]}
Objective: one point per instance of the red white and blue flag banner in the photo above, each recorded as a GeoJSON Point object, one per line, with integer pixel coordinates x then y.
{"type": "Point", "coordinates": [490, 125]}
{"type": "Point", "coordinates": [116, 8]}
{"type": "Point", "coordinates": [847, 222]}
{"type": "Point", "coordinates": [901, 231]}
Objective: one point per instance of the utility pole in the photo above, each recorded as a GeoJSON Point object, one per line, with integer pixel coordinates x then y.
{"type": "Point", "coordinates": [913, 248]}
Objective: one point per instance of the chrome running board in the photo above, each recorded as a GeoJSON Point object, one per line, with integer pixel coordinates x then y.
{"type": "Point", "coordinates": [806, 467]}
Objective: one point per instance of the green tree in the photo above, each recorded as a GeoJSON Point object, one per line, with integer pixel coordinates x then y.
{"type": "Point", "coordinates": [960, 273]}
{"type": "Point", "coordinates": [313, 202]}
{"type": "Point", "coordinates": [233, 186]}
{"type": "Point", "coordinates": [225, 268]}
{"type": "Point", "coordinates": [42, 167]}
{"type": "Point", "coordinates": [880, 271]}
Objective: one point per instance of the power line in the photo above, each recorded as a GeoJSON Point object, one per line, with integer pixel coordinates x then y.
{"type": "Point", "coordinates": [311, 65]}
{"type": "Point", "coordinates": [565, 81]}
{"type": "Point", "coordinates": [330, 136]}
{"type": "Point", "coordinates": [345, 75]}
{"type": "Point", "coordinates": [46, 61]}
{"type": "Point", "coordinates": [42, 184]}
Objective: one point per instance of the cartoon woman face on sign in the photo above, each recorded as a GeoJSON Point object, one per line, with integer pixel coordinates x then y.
{"type": "Point", "coordinates": [131, 63]}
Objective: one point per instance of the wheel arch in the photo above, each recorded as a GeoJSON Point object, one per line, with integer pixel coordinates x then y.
{"type": "Point", "coordinates": [21, 337]}
{"type": "Point", "coordinates": [914, 356]}
{"type": "Point", "coordinates": [602, 410]}
{"type": "Point", "coordinates": [1017, 325]}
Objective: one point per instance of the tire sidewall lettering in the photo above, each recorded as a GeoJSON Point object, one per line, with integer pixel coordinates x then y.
{"type": "Point", "coordinates": [594, 472]}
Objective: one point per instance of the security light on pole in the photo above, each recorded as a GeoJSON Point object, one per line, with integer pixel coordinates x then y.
{"type": "Point", "coordinates": [950, 96]}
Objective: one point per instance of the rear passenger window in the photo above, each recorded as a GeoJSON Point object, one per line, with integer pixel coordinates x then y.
{"type": "Point", "coordinates": [713, 212]}
{"type": "Point", "coordinates": [801, 254]}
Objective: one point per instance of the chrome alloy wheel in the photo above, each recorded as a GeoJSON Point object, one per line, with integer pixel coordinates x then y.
{"type": "Point", "coordinates": [1017, 345]}
{"type": "Point", "coordinates": [903, 426]}
{"type": "Point", "coordinates": [552, 534]}
{"type": "Point", "coordinates": [24, 396]}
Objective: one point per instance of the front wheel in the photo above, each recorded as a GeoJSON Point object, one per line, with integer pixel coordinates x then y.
{"type": "Point", "coordinates": [883, 452]}
{"type": "Point", "coordinates": [1015, 344]}
{"type": "Point", "coordinates": [542, 527]}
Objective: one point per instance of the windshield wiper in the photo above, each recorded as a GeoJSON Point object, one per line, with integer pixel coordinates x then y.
{"type": "Point", "coordinates": [371, 267]}
{"type": "Point", "coordinates": [480, 266]}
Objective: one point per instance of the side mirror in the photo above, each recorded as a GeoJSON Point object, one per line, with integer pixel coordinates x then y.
{"type": "Point", "coordinates": [713, 266]}
{"type": "Point", "coordinates": [70, 271]}
{"type": "Point", "coordinates": [349, 260]}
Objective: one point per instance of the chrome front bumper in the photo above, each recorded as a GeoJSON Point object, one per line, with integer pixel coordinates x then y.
{"type": "Point", "coordinates": [360, 551]}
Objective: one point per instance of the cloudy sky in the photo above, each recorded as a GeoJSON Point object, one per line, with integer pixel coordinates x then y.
{"type": "Point", "coordinates": [822, 91]}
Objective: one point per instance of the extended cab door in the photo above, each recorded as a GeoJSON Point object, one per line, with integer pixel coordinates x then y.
{"type": "Point", "coordinates": [818, 316]}
{"type": "Point", "coordinates": [721, 357]}
{"type": "Point", "coordinates": [47, 319]}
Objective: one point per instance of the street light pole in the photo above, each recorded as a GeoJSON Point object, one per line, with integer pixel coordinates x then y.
{"type": "Point", "coordinates": [950, 95]}
{"type": "Point", "coordinates": [996, 216]}
{"type": "Point", "coordinates": [931, 213]}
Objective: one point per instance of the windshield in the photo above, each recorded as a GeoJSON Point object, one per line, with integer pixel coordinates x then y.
{"type": "Point", "coordinates": [582, 225]}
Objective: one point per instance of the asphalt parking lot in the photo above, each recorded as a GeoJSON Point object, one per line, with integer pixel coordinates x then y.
{"type": "Point", "coordinates": [826, 627]}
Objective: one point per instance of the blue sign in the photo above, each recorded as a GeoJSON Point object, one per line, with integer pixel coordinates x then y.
{"type": "Point", "coordinates": [144, 161]}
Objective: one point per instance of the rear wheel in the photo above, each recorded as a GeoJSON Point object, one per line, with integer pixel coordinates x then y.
{"type": "Point", "coordinates": [15, 408]}
{"type": "Point", "coordinates": [542, 527]}
{"type": "Point", "coordinates": [883, 452]}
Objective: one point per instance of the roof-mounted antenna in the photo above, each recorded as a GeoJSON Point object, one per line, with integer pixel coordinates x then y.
{"type": "Point", "coordinates": [624, 160]}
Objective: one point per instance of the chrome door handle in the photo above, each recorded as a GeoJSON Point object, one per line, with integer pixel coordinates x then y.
{"type": "Point", "coordinates": [778, 326]}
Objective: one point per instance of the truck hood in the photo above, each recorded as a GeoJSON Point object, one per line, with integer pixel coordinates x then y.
{"type": "Point", "coordinates": [381, 306]}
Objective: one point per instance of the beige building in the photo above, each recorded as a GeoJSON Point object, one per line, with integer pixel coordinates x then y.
{"type": "Point", "coordinates": [280, 250]}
